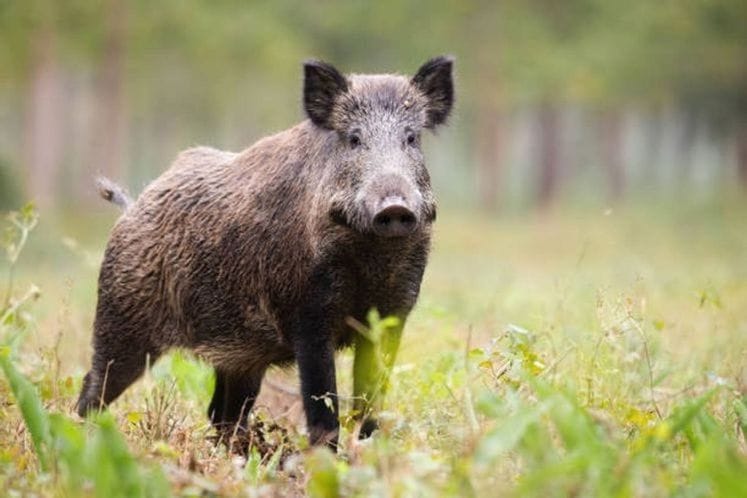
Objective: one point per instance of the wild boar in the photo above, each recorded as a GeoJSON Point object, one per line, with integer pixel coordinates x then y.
{"type": "Point", "coordinates": [261, 257]}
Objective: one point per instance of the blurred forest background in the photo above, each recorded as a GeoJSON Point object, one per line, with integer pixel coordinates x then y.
{"type": "Point", "coordinates": [582, 332]}
{"type": "Point", "coordinates": [581, 100]}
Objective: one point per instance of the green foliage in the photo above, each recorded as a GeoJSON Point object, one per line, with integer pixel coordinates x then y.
{"type": "Point", "coordinates": [10, 191]}
{"type": "Point", "coordinates": [21, 223]}
{"type": "Point", "coordinates": [563, 449]}
{"type": "Point", "coordinates": [62, 447]}
{"type": "Point", "coordinates": [28, 401]}
{"type": "Point", "coordinates": [259, 469]}
{"type": "Point", "coordinates": [65, 448]}
{"type": "Point", "coordinates": [114, 470]}
{"type": "Point", "coordinates": [590, 378]}
{"type": "Point", "coordinates": [193, 378]}
{"type": "Point", "coordinates": [598, 52]}
{"type": "Point", "coordinates": [378, 333]}
{"type": "Point", "coordinates": [324, 474]}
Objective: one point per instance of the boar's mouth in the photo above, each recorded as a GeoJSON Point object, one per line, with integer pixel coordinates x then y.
{"type": "Point", "coordinates": [338, 217]}
{"type": "Point", "coordinates": [345, 218]}
{"type": "Point", "coordinates": [351, 220]}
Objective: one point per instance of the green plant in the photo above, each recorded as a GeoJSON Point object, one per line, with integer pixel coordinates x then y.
{"type": "Point", "coordinates": [78, 458]}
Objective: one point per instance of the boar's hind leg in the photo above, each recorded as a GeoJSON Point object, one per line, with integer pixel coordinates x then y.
{"type": "Point", "coordinates": [233, 398]}
{"type": "Point", "coordinates": [119, 358]}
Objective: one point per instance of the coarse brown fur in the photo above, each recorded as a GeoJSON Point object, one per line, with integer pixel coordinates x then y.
{"type": "Point", "coordinates": [258, 258]}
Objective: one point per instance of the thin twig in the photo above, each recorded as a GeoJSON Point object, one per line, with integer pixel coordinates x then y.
{"type": "Point", "coordinates": [556, 362]}
{"type": "Point", "coordinates": [103, 388]}
{"type": "Point", "coordinates": [469, 408]}
{"type": "Point", "coordinates": [649, 366]}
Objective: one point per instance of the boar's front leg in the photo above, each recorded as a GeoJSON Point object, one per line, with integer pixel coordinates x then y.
{"type": "Point", "coordinates": [315, 355]}
{"type": "Point", "coordinates": [372, 367]}
{"type": "Point", "coordinates": [316, 366]}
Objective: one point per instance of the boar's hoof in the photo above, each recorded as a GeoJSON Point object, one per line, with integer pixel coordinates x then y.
{"type": "Point", "coordinates": [367, 428]}
{"type": "Point", "coordinates": [319, 436]}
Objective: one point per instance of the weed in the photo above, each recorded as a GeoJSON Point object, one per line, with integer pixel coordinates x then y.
{"type": "Point", "coordinates": [525, 370]}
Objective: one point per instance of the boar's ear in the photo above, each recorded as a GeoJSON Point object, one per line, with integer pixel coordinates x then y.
{"type": "Point", "coordinates": [321, 86]}
{"type": "Point", "coordinates": [434, 80]}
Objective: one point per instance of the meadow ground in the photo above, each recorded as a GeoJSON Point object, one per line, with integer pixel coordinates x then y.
{"type": "Point", "coordinates": [581, 353]}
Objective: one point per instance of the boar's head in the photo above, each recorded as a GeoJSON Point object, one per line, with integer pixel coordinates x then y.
{"type": "Point", "coordinates": [376, 181]}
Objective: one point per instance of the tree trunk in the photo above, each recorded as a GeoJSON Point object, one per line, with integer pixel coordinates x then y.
{"type": "Point", "coordinates": [652, 145]}
{"type": "Point", "coordinates": [110, 119]}
{"type": "Point", "coordinates": [43, 122]}
{"type": "Point", "coordinates": [742, 155]}
{"type": "Point", "coordinates": [611, 129]}
{"type": "Point", "coordinates": [549, 154]}
{"type": "Point", "coordinates": [490, 134]}
{"type": "Point", "coordinates": [684, 152]}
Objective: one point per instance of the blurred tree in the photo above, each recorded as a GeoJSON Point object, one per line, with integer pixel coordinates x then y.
{"type": "Point", "coordinates": [548, 134]}
{"type": "Point", "coordinates": [486, 59]}
{"type": "Point", "coordinates": [611, 127]}
{"type": "Point", "coordinates": [43, 117]}
{"type": "Point", "coordinates": [691, 55]}
{"type": "Point", "coordinates": [109, 133]}
{"type": "Point", "coordinates": [10, 193]}
{"type": "Point", "coordinates": [169, 75]}
{"type": "Point", "coordinates": [39, 35]}
{"type": "Point", "coordinates": [548, 31]}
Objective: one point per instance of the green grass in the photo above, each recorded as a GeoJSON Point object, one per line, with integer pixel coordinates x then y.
{"type": "Point", "coordinates": [577, 353]}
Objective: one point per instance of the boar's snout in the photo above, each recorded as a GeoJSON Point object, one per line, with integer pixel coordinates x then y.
{"type": "Point", "coordinates": [394, 218]}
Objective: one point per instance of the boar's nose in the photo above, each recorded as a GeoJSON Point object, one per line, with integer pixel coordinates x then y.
{"type": "Point", "coordinates": [394, 219]}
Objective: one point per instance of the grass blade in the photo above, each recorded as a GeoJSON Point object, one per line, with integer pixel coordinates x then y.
{"type": "Point", "coordinates": [34, 415]}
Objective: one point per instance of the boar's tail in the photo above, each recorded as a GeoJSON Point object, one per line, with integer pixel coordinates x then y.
{"type": "Point", "coordinates": [112, 192]}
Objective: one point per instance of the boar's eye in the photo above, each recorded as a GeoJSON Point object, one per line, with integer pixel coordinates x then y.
{"type": "Point", "coordinates": [354, 140]}
{"type": "Point", "coordinates": [411, 137]}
